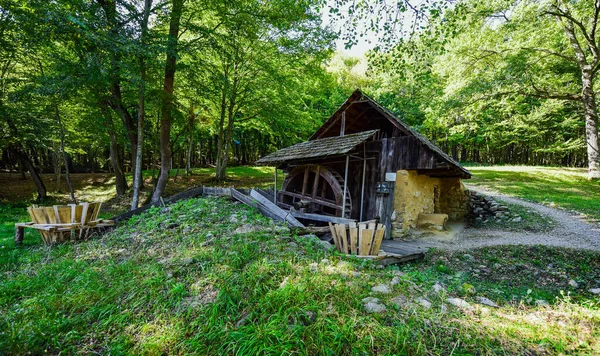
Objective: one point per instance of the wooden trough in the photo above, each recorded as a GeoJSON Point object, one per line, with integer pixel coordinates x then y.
{"type": "Point", "coordinates": [60, 223]}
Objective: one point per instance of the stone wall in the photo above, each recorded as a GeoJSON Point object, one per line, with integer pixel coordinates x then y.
{"type": "Point", "coordinates": [484, 208]}
{"type": "Point", "coordinates": [418, 193]}
{"type": "Point", "coordinates": [454, 199]}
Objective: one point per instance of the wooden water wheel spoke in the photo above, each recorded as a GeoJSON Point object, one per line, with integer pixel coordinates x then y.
{"type": "Point", "coordinates": [316, 189]}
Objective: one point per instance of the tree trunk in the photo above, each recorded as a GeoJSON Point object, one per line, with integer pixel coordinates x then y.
{"type": "Point", "coordinates": [591, 122]}
{"type": "Point", "coordinates": [64, 155]}
{"type": "Point", "coordinates": [190, 140]}
{"type": "Point", "coordinates": [115, 158]}
{"type": "Point", "coordinates": [137, 172]}
{"type": "Point", "coordinates": [221, 166]}
{"type": "Point", "coordinates": [167, 105]}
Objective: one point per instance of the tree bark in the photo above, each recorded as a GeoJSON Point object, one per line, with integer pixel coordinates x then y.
{"type": "Point", "coordinates": [115, 158]}
{"type": "Point", "coordinates": [167, 105]}
{"type": "Point", "coordinates": [587, 67]}
{"type": "Point", "coordinates": [591, 123]}
{"type": "Point", "coordinates": [64, 155]}
{"type": "Point", "coordinates": [137, 175]}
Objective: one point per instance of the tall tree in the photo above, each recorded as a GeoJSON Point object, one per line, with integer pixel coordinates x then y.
{"type": "Point", "coordinates": [167, 104]}
{"type": "Point", "coordinates": [137, 176]}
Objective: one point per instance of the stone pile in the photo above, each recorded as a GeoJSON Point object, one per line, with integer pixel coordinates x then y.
{"type": "Point", "coordinates": [484, 208]}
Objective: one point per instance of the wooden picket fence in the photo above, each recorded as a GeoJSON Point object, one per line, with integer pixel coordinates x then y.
{"type": "Point", "coordinates": [362, 239]}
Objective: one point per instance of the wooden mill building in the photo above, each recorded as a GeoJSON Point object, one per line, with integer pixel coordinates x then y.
{"type": "Point", "coordinates": [365, 163]}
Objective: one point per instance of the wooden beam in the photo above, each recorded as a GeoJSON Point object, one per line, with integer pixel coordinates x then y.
{"type": "Point", "coordinates": [324, 202]}
{"type": "Point", "coordinates": [284, 215]}
{"type": "Point", "coordinates": [319, 217]}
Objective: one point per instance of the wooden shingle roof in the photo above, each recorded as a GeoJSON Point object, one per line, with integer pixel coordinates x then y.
{"type": "Point", "coordinates": [324, 147]}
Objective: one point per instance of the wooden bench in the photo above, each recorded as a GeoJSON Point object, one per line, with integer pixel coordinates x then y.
{"type": "Point", "coordinates": [60, 223]}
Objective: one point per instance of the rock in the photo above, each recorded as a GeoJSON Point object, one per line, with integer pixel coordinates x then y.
{"type": "Point", "coordinates": [246, 228]}
{"type": "Point", "coordinates": [311, 316]}
{"type": "Point", "coordinates": [468, 288]}
{"type": "Point", "coordinates": [541, 303]}
{"type": "Point", "coordinates": [424, 303]}
{"type": "Point", "coordinates": [325, 245]}
{"type": "Point", "coordinates": [486, 301]}
{"type": "Point", "coordinates": [395, 281]}
{"type": "Point", "coordinates": [401, 301]}
{"type": "Point", "coordinates": [371, 300]}
{"type": "Point", "coordinates": [309, 236]}
{"type": "Point", "coordinates": [233, 219]}
{"type": "Point", "coordinates": [518, 219]}
{"type": "Point", "coordinates": [209, 235]}
{"type": "Point", "coordinates": [314, 267]}
{"type": "Point", "coordinates": [438, 288]}
{"type": "Point", "coordinates": [381, 288]}
{"type": "Point", "coordinates": [292, 244]}
{"type": "Point", "coordinates": [325, 261]}
{"type": "Point", "coordinates": [398, 273]}
{"type": "Point", "coordinates": [459, 303]}
{"type": "Point", "coordinates": [188, 261]}
{"type": "Point", "coordinates": [282, 229]}
{"type": "Point", "coordinates": [468, 257]}
{"type": "Point", "coordinates": [573, 283]}
{"type": "Point", "coordinates": [374, 308]}
{"type": "Point", "coordinates": [355, 274]}
{"type": "Point", "coordinates": [497, 265]}
{"type": "Point", "coordinates": [595, 291]}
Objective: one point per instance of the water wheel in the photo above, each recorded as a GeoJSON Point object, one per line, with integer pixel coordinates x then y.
{"type": "Point", "coordinates": [316, 189]}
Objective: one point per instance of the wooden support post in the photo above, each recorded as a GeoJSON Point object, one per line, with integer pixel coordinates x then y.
{"type": "Point", "coordinates": [305, 181]}
{"type": "Point", "coordinates": [345, 187]}
{"type": "Point", "coordinates": [19, 234]}
{"type": "Point", "coordinates": [362, 191]}
{"type": "Point", "coordinates": [275, 188]}
{"type": "Point", "coordinates": [316, 183]}
{"type": "Point", "coordinates": [343, 124]}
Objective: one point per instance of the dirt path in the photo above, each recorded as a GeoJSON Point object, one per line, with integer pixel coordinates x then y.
{"type": "Point", "coordinates": [571, 231]}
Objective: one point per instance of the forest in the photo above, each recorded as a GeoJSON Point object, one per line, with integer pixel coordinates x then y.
{"type": "Point", "coordinates": [125, 86]}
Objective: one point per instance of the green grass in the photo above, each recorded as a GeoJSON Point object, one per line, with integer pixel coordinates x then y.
{"type": "Point", "coordinates": [567, 188]}
{"type": "Point", "coordinates": [180, 280]}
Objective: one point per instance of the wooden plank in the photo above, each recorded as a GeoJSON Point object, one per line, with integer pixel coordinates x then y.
{"type": "Point", "coordinates": [335, 237]}
{"type": "Point", "coordinates": [319, 217]}
{"type": "Point", "coordinates": [353, 231]}
{"type": "Point", "coordinates": [379, 233]}
{"type": "Point", "coordinates": [372, 226]}
{"type": "Point", "coordinates": [254, 203]}
{"type": "Point", "coordinates": [340, 229]}
{"type": "Point", "coordinates": [284, 215]}
{"type": "Point", "coordinates": [325, 202]}
{"type": "Point", "coordinates": [366, 242]}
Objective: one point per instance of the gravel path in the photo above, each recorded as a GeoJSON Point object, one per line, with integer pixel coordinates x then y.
{"type": "Point", "coordinates": [570, 231]}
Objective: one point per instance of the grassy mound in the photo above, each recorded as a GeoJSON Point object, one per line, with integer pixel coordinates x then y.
{"type": "Point", "coordinates": [206, 276]}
